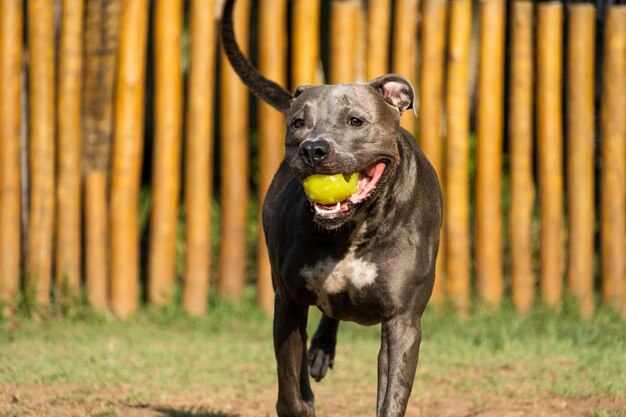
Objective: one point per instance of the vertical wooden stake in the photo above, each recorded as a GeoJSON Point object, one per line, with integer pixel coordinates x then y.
{"type": "Point", "coordinates": [430, 98]}
{"type": "Point", "coordinates": [521, 143]}
{"type": "Point", "coordinates": [360, 64]}
{"type": "Point", "coordinates": [42, 152]}
{"type": "Point", "coordinates": [457, 155]}
{"type": "Point", "coordinates": [613, 150]}
{"type": "Point", "coordinates": [99, 71]}
{"type": "Point", "coordinates": [378, 30]}
{"type": "Point", "coordinates": [489, 152]}
{"type": "Point", "coordinates": [272, 64]}
{"type": "Point", "coordinates": [96, 217]}
{"type": "Point", "coordinates": [304, 61]}
{"type": "Point", "coordinates": [405, 52]}
{"type": "Point", "coordinates": [11, 24]}
{"type": "Point", "coordinates": [580, 152]}
{"type": "Point", "coordinates": [343, 39]}
{"type": "Point", "coordinates": [127, 158]}
{"type": "Point", "coordinates": [199, 157]}
{"type": "Point", "coordinates": [68, 197]}
{"type": "Point", "coordinates": [235, 168]}
{"type": "Point", "coordinates": [550, 143]}
{"type": "Point", "coordinates": [168, 21]}
{"type": "Point", "coordinates": [431, 80]}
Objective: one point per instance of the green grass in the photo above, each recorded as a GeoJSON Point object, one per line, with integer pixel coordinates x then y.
{"type": "Point", "coordinates": [560, 353]}
{"type": "Point", "coordinates": [231, 348]}
{"type": "Point", "coordinates": [156, 349]}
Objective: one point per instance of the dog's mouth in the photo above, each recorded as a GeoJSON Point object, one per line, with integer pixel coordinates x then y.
{"type": "Point", "coordinates": [369, 179]}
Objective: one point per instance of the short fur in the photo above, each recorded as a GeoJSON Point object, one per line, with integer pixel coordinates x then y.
{"type": "Point", "coordinates": [369, 261]}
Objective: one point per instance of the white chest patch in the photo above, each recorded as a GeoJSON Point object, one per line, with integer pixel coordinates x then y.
{"type": "Point", "coordinates": [332, 276]}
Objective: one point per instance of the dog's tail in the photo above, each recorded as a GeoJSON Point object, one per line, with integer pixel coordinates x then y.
{"type": "Point", "coordinates": [267, 90]}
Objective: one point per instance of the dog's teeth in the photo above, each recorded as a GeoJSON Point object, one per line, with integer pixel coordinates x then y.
{"type": "Point", "coordinates": [319, 209]}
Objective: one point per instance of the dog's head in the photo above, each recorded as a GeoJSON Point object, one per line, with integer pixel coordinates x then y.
{"type": "Point", "coordinates": [333, 129]}
{"type": "Point", "coordinates": [343, 129]}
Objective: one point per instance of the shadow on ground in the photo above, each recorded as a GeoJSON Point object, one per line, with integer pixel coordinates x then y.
{"type": "Point", "coordinates": [172, 412]}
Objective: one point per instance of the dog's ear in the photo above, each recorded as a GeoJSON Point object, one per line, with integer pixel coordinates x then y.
{"type": "Point", "coordinates": [300, 89]}
{"type": "Point", "coordinates": [396, 90]}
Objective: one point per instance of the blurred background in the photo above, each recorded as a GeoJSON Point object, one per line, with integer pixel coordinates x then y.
{"type": "Point", "coordinates": [133, 161]}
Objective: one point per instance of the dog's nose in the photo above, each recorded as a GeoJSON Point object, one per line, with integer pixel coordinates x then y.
{"type": "Point", "coordinates": [314, 151]}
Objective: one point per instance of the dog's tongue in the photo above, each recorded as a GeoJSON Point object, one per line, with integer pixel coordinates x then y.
{"type": "Point", "coordinates": [368, 179]}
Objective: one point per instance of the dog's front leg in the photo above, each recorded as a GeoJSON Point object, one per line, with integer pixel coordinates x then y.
{"type": "Point", "coordinates": [295, 398]}
{"type": "Point", "coordinates": [383, 369]}
{"type": "Point", "coordinates": [397, 362]}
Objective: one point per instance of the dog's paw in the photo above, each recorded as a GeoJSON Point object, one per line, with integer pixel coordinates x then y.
{"type": "Point", "coordinates": [319, 362]}
{"type": "Point", "coordinates": [300, 409]}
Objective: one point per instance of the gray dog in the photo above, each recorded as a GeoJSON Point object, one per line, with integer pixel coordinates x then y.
{"type": "Point", "coordinates": [369, 258]}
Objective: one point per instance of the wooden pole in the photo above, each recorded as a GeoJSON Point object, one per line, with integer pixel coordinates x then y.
{"type": "Point", "coordinates": [235, 169]}
{"type": "Point", "coordinates": [199, 157]}
{"type": "Point", "coordinates": [100, 47]}
{"type": "Point", "coordinates": [613, 150]}
{"type": "Point", "coordinates": [305, 60]}
{"type": "Point", "coordinates": [272, 64]}
{"type": "Point", "coordinates": [360, 60]}
{"type": "Point", "coordinates": [550, 142]}
{"type": "Point", "coordinates": [96, 266]}
{"type": "Point", "coordinates": [11, 24]}
{"type": "Point", "coordinates": [457, 155]}
{"type": "Point", "coordinates": [68, 234]}
{"type": "Point", "coordinates": [581, 37]}
{"type": "Point", "coordinates": [405, 52]}
{"type": "Point", "coordinates": [127, 158]}
{"type": "Point", "coordinates": [433, 30]}
{"type": "Point", "coordinates": [431, 79]}
{"type": "Point", "coordinates": [168, 21]}
{"type": "Point", "coordinates": [343, 39]}
{"type": "Point", "coordinates": [489, 152]}
{"type": "Point", "coordinates": [521, 155]}
{"type": "Point", "coordinates": [42, 149]}
{"type": "Point", "coordinates": [378, 30]}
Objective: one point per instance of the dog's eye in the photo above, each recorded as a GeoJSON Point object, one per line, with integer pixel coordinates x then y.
{"type": "Point", "coordinates": [355, 121]}
{"type": "Point", "coordinates": [298, 123]}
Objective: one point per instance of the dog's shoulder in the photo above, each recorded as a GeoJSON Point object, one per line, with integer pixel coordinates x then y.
{"type": "Point", "coordinates": [419, 177]}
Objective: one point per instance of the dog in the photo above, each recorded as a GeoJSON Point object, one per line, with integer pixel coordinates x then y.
{"type": "Point", "coordinates": [369, 258]}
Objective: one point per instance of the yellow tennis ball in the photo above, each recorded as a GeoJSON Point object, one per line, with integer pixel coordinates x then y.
{"type": "Point", "coordinates": [330, 189]}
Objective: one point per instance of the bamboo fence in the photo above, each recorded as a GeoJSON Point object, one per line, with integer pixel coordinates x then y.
{"type": "Point", "coordinates": [112, 159]}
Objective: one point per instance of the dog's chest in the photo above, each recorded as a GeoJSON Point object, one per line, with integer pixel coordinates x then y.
{"type": "Point", "coordinates": [335, 277]}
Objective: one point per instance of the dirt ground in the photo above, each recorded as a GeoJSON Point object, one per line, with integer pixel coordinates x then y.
{"type": "Point", "coordinates": [65, 401]}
